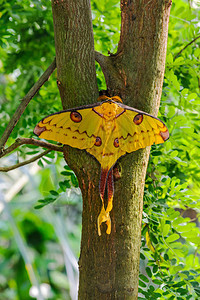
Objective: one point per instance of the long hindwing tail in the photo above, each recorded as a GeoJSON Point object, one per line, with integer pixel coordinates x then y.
{"type": "Point", "coordinates": [104, 216]}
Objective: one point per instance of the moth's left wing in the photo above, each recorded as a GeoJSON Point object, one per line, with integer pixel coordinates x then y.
{"type": "Point", "coordinates": [138, 129]}
{"type": "Point", "coordinates": [76, 127]}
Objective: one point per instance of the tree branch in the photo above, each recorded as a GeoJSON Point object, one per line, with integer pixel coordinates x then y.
{"type": "Point", "coordinates": [186, 47]}
{"type": "Point", "coordinates": [100, 58]}
{"type": "Point", "coordinates": [30, 141]}
{"type": "Point", "coordinates": [25, 101]}
{"type": "Point", "coordinates": [111, 74]}
{"type": "Point", "coordinates": [6, 169]}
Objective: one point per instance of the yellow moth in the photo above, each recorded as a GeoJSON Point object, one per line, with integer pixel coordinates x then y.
{"type": "Point", "coordinates": [107, 130]}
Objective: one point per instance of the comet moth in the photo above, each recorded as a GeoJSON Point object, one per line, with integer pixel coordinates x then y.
{"type": "Point", "coordinates": [107, 130]}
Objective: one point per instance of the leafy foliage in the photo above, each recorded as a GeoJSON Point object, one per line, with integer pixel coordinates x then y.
{"type": "Point", "coordinates": [33, 239]}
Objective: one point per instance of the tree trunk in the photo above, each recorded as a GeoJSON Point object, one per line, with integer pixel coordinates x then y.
{"type": "Point", "coordinates": [109, 264]}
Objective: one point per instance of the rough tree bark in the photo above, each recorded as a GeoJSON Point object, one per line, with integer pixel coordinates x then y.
{"type": "Point", "coordinates": [109, 265]}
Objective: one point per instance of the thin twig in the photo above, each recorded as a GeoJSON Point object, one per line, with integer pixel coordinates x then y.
{"type": "Point", "coordinates": [30, 141]}
{"type": "Point", "coordinates": [24, 102]}
{"type": "Point", "coordinates": [186, 47]}
{"type": "Point", "coordinates": [26, 162]}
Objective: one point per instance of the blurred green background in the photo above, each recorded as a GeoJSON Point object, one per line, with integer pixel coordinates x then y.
{"type": "Point", "coordinates": [40, 243]}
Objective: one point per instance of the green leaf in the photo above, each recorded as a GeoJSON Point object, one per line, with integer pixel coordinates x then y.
{"type": "Point", "coordinates": [174, 154]}
{"type": "Point", "coordinates": [172, 238]}
{"type": "Point", "coordinates": [68, 168]}
{"type": "Point", "coordinates": [192, 96]}
{"type": "Point", "coordinates": [191, 234]}
{"type": "Point", "coordinates": [39, 206]}
{"type": "Point", "coordinates": [151, 288]}
{"type": "Point", "coordinates": [195, 284]}
{"type": "Point", "coordinates": [166, 257]}
{"type": "Point", "coordinates": [144, 278]}
{"type": "Point", "coordinates": [142, 284]}
{"type": "Point", "coordinates": [40, 164]}
{"type": "Point", "coordinates": [157, 295]}
{"type": "Point", "coordinates": [184, 92]}
{"type": "Point", "coordinates": [66, 173]}
{"type": "Point", "coordinates": [182, 291]}
{"type": "Point", "coordinates": [166, 229]}
{"type": "Point", "coordinates": [74, 181]}
{"type": "Point", "coordinates": [155, 269]}
{"type": "Point", "coordinates": [177, 221]}
{"type": "Point", "coordinates": [157, 281]}
{"type": "Point", "coordinates": [54, 193]}
{"type": "Point", "coordinates": [179, 284]}
{"type": "Point", "coordinates": [156, 153]}
{"type": "Point", "coordinates": [173, 261]}
{"type": "Point", "coordinates": [32, 152]}
{"type": "Point", "coordinates": [142, 256]}
{"type": "Point", "coordinates": [148, 271]}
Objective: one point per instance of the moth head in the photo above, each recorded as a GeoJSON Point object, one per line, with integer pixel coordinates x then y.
{"type": "Point", "coordinates": [117, 99]}
{"type": "Point", "coordinates": [105, 98]}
